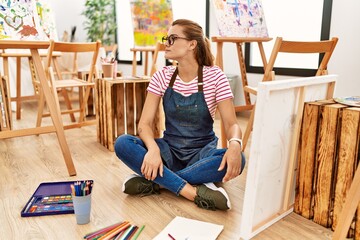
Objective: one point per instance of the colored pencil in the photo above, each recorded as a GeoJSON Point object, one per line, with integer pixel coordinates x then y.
{"type": "Point", "coordinates": [102, 230]}
{"type": "Point", "coordinates": [132, 232]}
{"type": "Point", "coordinates": [126, 233]}
{"type": "Point", "coordinates": [115, 231]}
{"type": "Point", "coordinates": [138, 232]}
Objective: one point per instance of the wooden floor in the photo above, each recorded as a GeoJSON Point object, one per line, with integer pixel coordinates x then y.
{"type": "Point", "coordinates": [26, 162]}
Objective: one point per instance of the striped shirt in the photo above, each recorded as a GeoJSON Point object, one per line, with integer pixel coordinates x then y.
{"type": "Point", "coordinates": [216, 85]}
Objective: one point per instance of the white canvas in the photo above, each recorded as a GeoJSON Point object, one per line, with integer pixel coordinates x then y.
{"type": "Point", "coordinates": [274, 123]}
{"type": "Point", "coordinates": [240, 18]}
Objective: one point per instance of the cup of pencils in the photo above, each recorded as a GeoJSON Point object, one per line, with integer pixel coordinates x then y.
{"type": "Point", "coordinates": [108, 65]}
{"type": "Point", "coordinates": [81, 196]}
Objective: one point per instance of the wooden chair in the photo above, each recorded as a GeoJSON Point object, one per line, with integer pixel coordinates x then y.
{"type": "Point", "coordinates": [62, 84]}
{"type": "Point", "coordinates": [325, 47]}
{"type": "Point", "coordinates": [160, 47]}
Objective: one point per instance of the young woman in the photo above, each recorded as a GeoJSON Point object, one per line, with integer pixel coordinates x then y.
{"type": "Point", "coordinates": [186, 160]}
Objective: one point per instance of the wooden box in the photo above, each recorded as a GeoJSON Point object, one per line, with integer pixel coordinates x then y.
{"type": "Point", "coordinates": [327, 159]}
{"type": "Point", "coordinates": [119, 105]}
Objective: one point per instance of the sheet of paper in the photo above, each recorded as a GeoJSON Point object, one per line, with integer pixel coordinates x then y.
{"type": "Point", "coordinates": [181, 228]}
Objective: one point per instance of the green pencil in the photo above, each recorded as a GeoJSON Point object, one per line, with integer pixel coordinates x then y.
{"type": "Point", "coordinates": [138, 232]}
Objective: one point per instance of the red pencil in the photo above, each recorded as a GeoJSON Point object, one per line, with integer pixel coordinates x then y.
{"type": "Point", "coordinates": [171, 237]}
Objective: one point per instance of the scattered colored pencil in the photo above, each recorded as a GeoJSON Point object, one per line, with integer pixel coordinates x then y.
{"type": "Point", "coordinates": [138, 232]}
{"type": "Point", "coordinates": [118, 231]}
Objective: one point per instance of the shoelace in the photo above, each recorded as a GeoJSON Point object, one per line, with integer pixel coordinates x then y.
{"type": "Point", "coordinates": [146, 189]}
{"type": "Point", "coordinates": [205, 203]}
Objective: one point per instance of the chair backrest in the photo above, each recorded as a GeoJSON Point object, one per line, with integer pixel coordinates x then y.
{"type": "Point", "coordinates": [325, 47]}
{"type": "Point", "coordinates": [158, 48]}
{"type": "Point", "coordinates": [110, 49]}
{"type": "Point", "coordinates": [74, 47]}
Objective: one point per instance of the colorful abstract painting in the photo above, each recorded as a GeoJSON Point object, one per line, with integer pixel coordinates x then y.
{"type": "Point", "coordinates": [240, 18]}
{"type": "Point", "coordinates": [19, 20]}
{"type": "Point", "coordinates": [151, 20]}
{"type": "Point", "coordinates": [46, 17]}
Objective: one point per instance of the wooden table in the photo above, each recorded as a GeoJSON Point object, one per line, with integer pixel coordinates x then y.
{"type": "Point", "coordinates": [57, 127]}
{"type": "Point", "coordinates": [146, 50]}
{"type": "Point", "coordinates": [119, 104]}
{"type": "Point", "coordinates": [18, 55]}
{"type": "Point", "coordinates": [219, 62]}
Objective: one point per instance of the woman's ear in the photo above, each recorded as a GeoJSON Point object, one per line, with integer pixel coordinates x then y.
{"type": "Point", "coordinates": [193, 44]}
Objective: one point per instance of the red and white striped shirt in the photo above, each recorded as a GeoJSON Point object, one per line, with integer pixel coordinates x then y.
{"type": "Point", "coordinates": [216, 85]}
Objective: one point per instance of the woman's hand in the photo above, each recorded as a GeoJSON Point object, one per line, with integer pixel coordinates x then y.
{"type": "Point", "coordinates": [152, 165]}
{"type": "Point", "coordinates": [232, 159]}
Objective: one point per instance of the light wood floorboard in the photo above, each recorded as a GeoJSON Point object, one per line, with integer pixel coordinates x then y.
{"type": "Point", "coordinates": [26, 162]}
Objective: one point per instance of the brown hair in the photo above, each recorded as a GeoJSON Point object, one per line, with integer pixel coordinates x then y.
{"type": "Point", "coordinates": [194, 31]}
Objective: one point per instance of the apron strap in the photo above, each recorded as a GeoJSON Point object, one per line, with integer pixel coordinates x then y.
{"type": "Point", "coordinates": [200, 78]}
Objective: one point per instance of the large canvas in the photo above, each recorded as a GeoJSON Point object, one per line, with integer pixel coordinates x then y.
{"type": "Point", "coordinates": [47, 20]}
{"type": "Point", "coordinates": [270, 181]}
{"type": "Point", "coordinates": [240, 18]}
{"type": "Point", "coordinates": [151, 20]}
{"type": "Point", "coordinates": [19, 20]}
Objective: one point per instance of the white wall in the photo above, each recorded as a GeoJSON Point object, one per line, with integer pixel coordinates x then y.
{"type": "Point", "coordinates": [345, 24]}
{"type": "Point", "coordinates": [67, 13]}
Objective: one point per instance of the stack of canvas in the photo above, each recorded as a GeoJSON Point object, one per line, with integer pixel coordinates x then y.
{"type": "Point", "coordinates": [327, 159]}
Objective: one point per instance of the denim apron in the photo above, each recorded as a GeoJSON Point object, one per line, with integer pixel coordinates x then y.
{"type": "Point", "coordinates": [189, 134]}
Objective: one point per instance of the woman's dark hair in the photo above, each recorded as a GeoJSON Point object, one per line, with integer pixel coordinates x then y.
{"type": "Point", "coordinates": [194, 31]}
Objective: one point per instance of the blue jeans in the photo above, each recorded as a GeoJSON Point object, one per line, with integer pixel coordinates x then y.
{"type": "Point", "coordinates": [131, 151]}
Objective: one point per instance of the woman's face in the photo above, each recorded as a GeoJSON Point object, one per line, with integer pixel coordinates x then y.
{"type": "Point", "coordinates": [178, 45]}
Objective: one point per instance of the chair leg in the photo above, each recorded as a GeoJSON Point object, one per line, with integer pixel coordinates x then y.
{"type": "Point", "coordinates": [248, 128]}
{"type": "Point", "coordinates": [84, 103]}
{"type": "Point", "coordinates": [68, 103]}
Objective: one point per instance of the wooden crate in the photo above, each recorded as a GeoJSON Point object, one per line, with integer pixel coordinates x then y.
{"type": "Point", "coordinates": [328, 155]}
{"type": "Point", "coordinates": [119, 105]}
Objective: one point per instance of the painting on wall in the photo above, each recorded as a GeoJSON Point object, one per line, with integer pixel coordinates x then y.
{"type": "Point", "coordinates": [19, 20]}
{"type": "Point", "coordinates": [151, 20]}
{"type": "Point", "coordinates": [240, 18]}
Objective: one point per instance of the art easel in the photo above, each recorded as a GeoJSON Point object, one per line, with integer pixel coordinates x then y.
{"type": "Point", "coordinates": [57, 127]}
{"type": "Point", "coordinates": [18, 56]}
{"type": "Point", "coordinates": [219, 62]}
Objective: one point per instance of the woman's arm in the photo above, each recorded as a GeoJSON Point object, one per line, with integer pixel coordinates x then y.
{"type": "Point", "coordinates": [152, 164]}
{"type": "Point", "coordinates": [232, 157]}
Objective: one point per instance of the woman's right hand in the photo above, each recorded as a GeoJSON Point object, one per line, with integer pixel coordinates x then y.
{"type": "Point", "coordinates": [152, 165]}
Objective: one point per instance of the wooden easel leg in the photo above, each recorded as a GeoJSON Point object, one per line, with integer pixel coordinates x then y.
{"type": "Point", "coordinates": [54, 112]}
{"type": "Point", "coordinates": [248, 128]}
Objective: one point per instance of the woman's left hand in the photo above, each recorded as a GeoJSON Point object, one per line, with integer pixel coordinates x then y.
{"type": "Point", "coordinates": [232, 159]}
